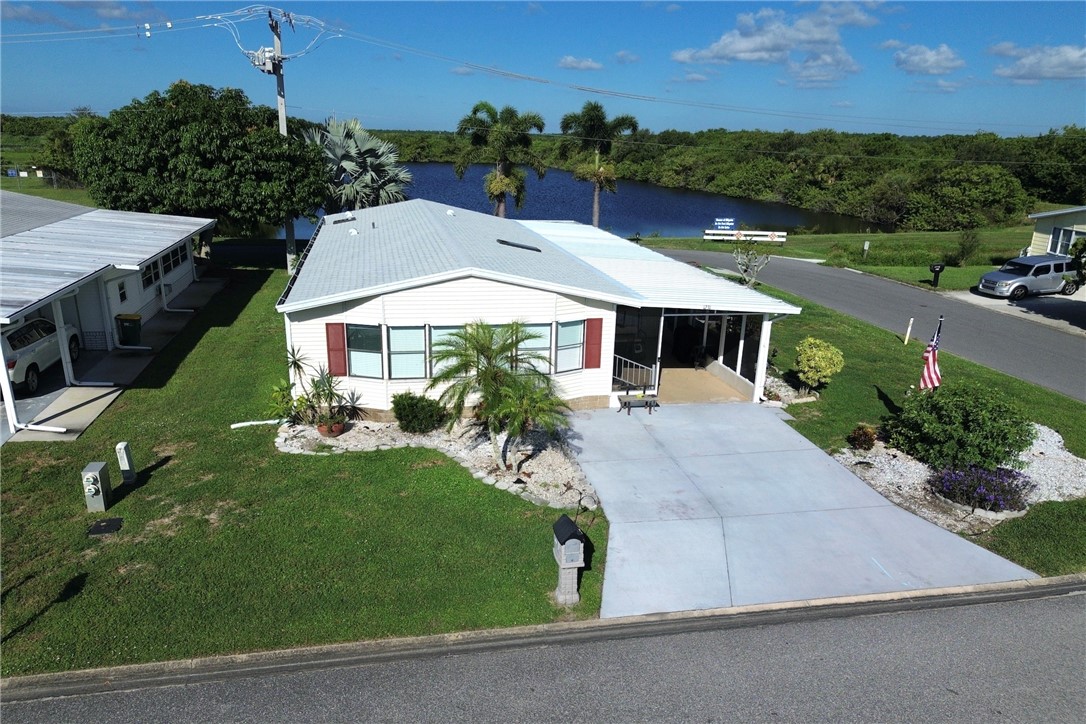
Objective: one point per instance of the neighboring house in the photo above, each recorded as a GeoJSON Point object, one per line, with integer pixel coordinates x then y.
{"type": "Point", "coordinates": [1054, 232]}
{"type": "Point", "coordinates": [82, 266]}
{"type": "Point", "coordinates": [378, 288]}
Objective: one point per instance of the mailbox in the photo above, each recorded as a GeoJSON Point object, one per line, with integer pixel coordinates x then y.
{"type": "Point", "coordinates": [936, 269]}
{"type": "Point", "coordinates": [96, 489]}
{"type": "Point", "coordinates": [569, 545]}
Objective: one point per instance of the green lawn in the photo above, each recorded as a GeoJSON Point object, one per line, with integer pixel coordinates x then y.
{"type": "Point", "coordinates": [231, 546]}
{"type": "Point", "coordinates": [951, 279]}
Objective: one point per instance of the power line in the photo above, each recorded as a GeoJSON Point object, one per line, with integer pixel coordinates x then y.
{"type": "Point", "coordinates": [229, 21]}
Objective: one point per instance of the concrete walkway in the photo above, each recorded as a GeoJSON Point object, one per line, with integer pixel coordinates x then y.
{"type": "Point", "coordinates": [724, 505]}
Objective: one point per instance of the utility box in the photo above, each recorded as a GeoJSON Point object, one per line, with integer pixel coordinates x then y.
{"type": "Point", "coordinates": [96, 488]}
{"type": "Point", "coordinates": [124, 460]}
{"type": "Point", "coordinates": [569, 545]}
{"type": "Point", "coordinates": [129, 329]}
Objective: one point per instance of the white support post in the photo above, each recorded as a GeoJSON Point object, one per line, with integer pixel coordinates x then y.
{"type": "Point", "coordinates": [723, 333]}
{"type": "Point", "coordinates": [659, 352]}
{"type": "Point", "coordinates": [763, 358]}
{"type": "Point", "coordinates": [742, 342]}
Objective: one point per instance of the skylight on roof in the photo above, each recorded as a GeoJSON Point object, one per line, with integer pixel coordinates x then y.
{"type": "Point", "coordinates": [518, 245]}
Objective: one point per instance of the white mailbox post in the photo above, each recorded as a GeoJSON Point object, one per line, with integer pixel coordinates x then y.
{"type": "Point", "coordinates": [569, 542]}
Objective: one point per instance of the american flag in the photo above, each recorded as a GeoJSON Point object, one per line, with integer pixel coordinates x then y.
{"type": "Point", "coordinates": [930, 377]}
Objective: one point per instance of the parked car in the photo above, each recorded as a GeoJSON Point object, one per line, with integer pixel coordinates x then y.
{"type": "Point", "coordinates": [32, 346]}
{"type": "Point", "coordinates": [1043, 274]}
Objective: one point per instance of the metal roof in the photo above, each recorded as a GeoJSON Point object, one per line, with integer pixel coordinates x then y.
{"type": "Point", "coordinates": [49, 248]}
{"type": "Point", "coordinates": [659, 281]}
{"type": "Point", "coordinates": [1057, 212]}
{"type": "Point", "coordinates": [399, 246]}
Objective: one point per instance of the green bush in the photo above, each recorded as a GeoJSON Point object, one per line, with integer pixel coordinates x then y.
{"type": "Point", "coordinates": [968, 246]}
{"type": "Point", "coordinates": [862, 437]}
{"type": "Point", "coordinates": [961, 426]}
{"type": "Point", "coordinates": [416, 413]}
{"type": "Point", "coordinates": [817, 361]}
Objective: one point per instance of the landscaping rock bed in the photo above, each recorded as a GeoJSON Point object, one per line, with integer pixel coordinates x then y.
{"type": "Point", "coordinates": [902, 480]}
{"type": "Point", "coordinates": [541, 469]}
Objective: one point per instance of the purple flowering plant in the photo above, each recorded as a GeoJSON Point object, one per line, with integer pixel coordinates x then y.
{"type": "Point", "coordinates": [996, 490]}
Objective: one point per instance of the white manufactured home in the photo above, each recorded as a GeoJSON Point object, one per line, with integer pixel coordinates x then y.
{"type": "Point", "coordinates": [1055, 232]}
{"type": "Point", "coordinates": [378, 288]}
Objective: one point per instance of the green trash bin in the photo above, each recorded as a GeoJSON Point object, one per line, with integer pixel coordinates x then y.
{"type": "Point", "coordinates": [128, 329]}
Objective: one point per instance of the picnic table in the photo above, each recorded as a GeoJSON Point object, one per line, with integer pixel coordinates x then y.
{"type": "Point", "coordinates": [628, 402]}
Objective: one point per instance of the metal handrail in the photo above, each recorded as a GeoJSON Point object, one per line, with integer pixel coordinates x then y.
{"type": "Point", "coordinates": [627, 372]}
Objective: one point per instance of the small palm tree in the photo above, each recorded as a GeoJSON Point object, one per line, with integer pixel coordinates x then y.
{"type": "Point", "coordinates": [363, 170]}
{"type": "Point", "coordinates": [529, 403]}
{"type": "Point", "coordinates": [590, 131]}
{"type": "Point", "coordinates": [486, 364]}
{"type": "Point", "coordinates": [503, 138]}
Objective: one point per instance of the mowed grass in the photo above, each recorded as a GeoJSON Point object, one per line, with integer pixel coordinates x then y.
{"type": "Point", "coordinates": [880, 370]}
{"type": "Point", "coordinates": [230, 546]}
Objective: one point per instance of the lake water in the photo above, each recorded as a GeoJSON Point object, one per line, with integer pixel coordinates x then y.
{"type": "Point", "coordinates": [637, 208]}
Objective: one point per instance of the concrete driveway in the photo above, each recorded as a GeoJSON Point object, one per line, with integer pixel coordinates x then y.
{"type": "Point", "coordinates": [718, 505]}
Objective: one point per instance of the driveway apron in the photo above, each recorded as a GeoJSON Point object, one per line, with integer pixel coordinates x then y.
{"type": "Point", "coordinates": [712, 506]}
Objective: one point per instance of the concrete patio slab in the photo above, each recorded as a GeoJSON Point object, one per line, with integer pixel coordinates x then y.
{"type": "Point", "coordinates": [725, 505]}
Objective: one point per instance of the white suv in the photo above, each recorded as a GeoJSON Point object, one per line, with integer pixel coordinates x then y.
{"type": "Point", "coordinates": [1044, 274]}
{"type": "Point", "coordinates": [32, 346]}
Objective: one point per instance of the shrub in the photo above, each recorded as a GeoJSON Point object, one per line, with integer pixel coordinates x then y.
{"type": "Point", "coordinates": [862, 437]}
{"type": "Point", "coordinates": [961, 426]}
{"type": "Point", "coordinates": [968, 246]}
{"type": "Point", "coordinates": [416, 413]}
{"type": "Point", "coordinates": [817, 361]}
{"type": "Point", "coordinates": [997, 490]}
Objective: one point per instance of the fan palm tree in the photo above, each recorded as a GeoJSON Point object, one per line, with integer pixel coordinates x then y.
{"type": "Point", "coordinates": [487, 364]}
{"type": "Point", "coordinates": [529, 403]}
{"type": "Point", "coordinates": [362, 169]}
{"type": "Point", "coordinates": [590, 131]}
{"type": "Point", "coordinates": [504, 138]}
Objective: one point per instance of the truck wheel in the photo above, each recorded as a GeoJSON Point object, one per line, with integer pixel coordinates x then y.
{"type": "Point", "coordinates": [1018, 294]}
{"type": "Point", "coordinates": [1069, 288]}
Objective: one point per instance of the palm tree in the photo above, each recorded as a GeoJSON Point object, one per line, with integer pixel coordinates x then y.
{"type": "Point", "coordinates": [590, 130]}
{"type": "Point", "coordinates": [486, 364]}
{"type": "Point", "coordinates": [362, 169]}
{"type": "Point", "coordinates": [504, 138]}
{"type": "Point", "coordinates": [529, 403]}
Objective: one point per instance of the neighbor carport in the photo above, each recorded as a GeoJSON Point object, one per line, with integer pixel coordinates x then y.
{"type": "Point", "coordinates": [55, 255]}
{"type": "Point", "coordinates": [713, 506]}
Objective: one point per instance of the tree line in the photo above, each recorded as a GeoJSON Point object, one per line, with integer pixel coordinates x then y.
{"type": "Point", "coordinates": [202, 151]}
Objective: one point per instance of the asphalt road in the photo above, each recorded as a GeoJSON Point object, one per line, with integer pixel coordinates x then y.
{"type": "Point", "coordinates": [1022, 660]}
{"type": "Point", "coordinates": [1044, 355]}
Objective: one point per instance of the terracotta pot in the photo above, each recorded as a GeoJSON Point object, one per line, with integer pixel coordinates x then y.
{"type": "Point", "coordinates": [334, 429]}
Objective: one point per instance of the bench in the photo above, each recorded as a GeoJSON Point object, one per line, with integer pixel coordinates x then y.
{"type": "Point", "coordinates": [628, 402]}
{"type": "Point", "coordinates": [758, 237]}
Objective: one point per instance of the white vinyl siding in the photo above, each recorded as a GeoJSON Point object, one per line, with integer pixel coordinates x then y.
{"type": "Point", "coordinates": [1061, 240]}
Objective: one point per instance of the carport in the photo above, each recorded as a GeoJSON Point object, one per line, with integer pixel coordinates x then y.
{"type": "Point", "coordinates": [86, 266]}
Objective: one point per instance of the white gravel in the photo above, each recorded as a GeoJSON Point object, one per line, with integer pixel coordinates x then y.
{"type": "Point", "coordinates": [1057, 473]}
{"type": "Point", "coordinates": [541, 470]}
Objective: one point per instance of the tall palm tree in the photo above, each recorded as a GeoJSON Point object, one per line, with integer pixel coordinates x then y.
{"type": "Point", "coordinates": [504, 138]}
{"type": "Point", "coordinates": [487, 365]}
{"type": "Point", "coordinates": [590, 131]}
{"type": "Point", "coordinates": [363, 170]}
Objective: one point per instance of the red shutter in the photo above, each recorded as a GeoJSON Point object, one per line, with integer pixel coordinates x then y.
{"type": "Point", "coordinates": [593, 343]}
{"type": "Point", "coordinates": [336, 334]}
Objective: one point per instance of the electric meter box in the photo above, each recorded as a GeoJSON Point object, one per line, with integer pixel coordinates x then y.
{"type": "Point", "coordinates": [96, 488]}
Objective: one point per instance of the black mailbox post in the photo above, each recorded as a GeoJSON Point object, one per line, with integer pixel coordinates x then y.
{"type": "Point", "coordinates": [936, 269]}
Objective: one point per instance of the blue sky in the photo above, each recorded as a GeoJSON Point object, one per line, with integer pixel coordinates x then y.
{"type": "Point", "coordinates": [1013, 68]}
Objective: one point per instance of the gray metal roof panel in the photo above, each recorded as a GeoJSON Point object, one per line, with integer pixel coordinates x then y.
{"type": "Point", "coordinates": [46, 259]}
{"type": "Point", "coordinates": [399, 245]}
{"type": "Point", "coordinates": [20, 212]}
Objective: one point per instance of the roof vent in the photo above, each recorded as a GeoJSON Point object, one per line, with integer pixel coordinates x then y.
{"type": "Point", "coordinates": [518, 245]}
{"type": "Point", "coordinates": [352, 232]}
{"type": "Point", "coordinates": [450, 212]}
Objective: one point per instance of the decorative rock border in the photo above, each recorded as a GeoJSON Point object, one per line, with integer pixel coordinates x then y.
{"type": "Point", "coordinates": [463, 445]}
{"type": "Point", "coordinates": [995, 515]}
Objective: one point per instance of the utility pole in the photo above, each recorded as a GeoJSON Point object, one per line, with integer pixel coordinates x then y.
{"type": "Point", "coordinates": [272, 64]}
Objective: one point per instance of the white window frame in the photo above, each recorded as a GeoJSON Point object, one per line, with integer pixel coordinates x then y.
{"type": "Point", "coordinates": [398, 335]}
{"type": "Point", "coordinates": [360, 359]}
{"type": "Point", "coordinates": [564, 349]}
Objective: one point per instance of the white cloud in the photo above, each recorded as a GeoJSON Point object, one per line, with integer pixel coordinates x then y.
{"type": "Point", "coordinates": [625, 57]}
{"type": "Point", "coordinates": [462, 70]}
{"type": "Point", "coordinates": [939, 86]}
{"type": "Point", "coordinates": [695, 78]}
{"type": "Point", "coordinates": [673, 8]}
{"type": "Point", "coordinates": [843, 104]}
{"type": "Point", "coordinates": [571, 63]}
{"type": "Point", "coordinates": [891, 45]}
{"type": "Point", "coordinates": [30, 14]}
{"type": "Point", "coordinates": [809, 45]}
{"type": "Point", "coordinates": [1039, 63]}
{"type": "Point", "coordinates": [922, 60]}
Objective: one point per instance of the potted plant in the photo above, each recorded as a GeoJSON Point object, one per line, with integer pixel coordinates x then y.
{"type": "Point", "coordinates": [320, 403]}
